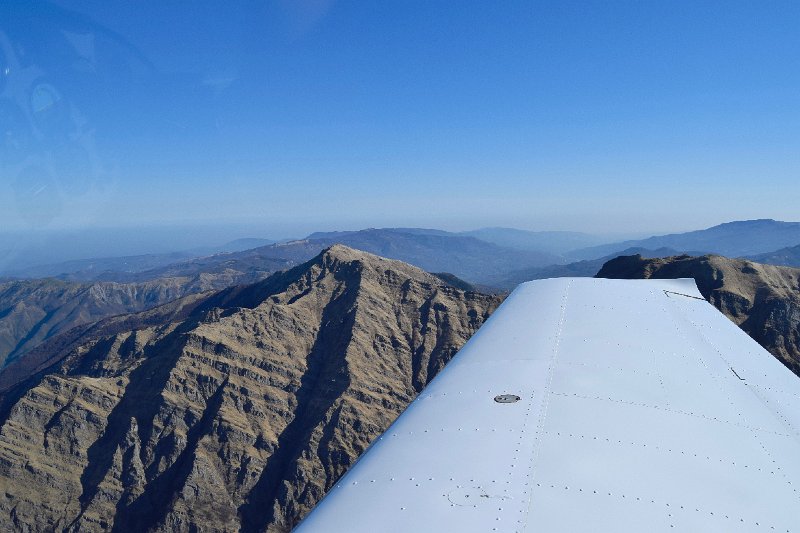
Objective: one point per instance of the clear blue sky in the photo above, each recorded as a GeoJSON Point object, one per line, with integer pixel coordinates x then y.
{"type": "Point", "coordinates": [318, 114]}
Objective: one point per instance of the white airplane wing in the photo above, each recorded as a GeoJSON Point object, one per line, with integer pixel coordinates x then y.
{"type": "Point", "coordinates": [588, 405]}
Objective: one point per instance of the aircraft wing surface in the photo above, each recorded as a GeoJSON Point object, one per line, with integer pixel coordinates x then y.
{"type": "Point", "coordinates": [588, 405]}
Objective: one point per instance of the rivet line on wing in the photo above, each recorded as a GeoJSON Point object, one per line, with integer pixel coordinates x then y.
{"type": "Point", "coordinates": [673, 508]}
{"type": "Point", "coordinates": [545, 403]}
{"type": "Point", "coordinates": [776, 412]}
{"type": "Point", "coordinates": [676, 411]}
{"type": "Point", "coordinates": [773, 469]}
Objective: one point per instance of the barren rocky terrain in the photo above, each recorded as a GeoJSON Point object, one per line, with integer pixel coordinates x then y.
{"type": "Point", "coordinates": [32, 311]}
{"type": "Point", "coordinates": [233, 411]}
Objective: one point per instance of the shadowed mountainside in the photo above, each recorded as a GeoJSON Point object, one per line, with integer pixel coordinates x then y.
{"type": "Point", "coordinates": [764, 300]}
{"type": "Point", "coordinates": [230, 412]}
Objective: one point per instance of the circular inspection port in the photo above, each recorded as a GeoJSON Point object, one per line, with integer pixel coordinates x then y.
{"type": "Point", "coordinates": [507, 398]}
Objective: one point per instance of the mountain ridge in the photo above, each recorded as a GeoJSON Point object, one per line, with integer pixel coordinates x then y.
{"type": "Point", "coordinates": [468, 258]}
{"type": "Point", "coordinates": [788, 256]}
{"type": "Point", "coordinates": [239, 414]}
{"type": "Point", "coordinates": [731, 239]}
{"type": "Point", "coordinates": [504, 252]}
{"type": "Point", "coordinates": [32, 311]}
{"type": "Point", "coordinates": [585, 268]}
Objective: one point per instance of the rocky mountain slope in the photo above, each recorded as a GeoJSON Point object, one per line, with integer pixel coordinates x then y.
{"type": "Point", "coordinates": [764, 300]}
{"type": "Point", "coordinates": [229, 412]}
{"type": "Point", "coordinates": [32, 311]}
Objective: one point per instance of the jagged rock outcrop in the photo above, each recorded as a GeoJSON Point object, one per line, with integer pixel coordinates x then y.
{"type": "Point", "coordinates": [237, 416]}
{"type": "Point", "coordinates": [763, 300]}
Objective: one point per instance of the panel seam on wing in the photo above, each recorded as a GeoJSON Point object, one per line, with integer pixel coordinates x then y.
{"type": "Point", "coordinates": [778, 415]}
{"type": "Point", "coordinates": [676, 411]}
{"type": "Point", "coordinates": [663, 449]}
{"type": "Point", "coordinates": [669, 507]}
{"type": "Point", "coordinates": [545, 403]}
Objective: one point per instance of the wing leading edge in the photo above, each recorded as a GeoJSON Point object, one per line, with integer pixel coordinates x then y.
{"type": "Point", "coordinates": [588, 405]}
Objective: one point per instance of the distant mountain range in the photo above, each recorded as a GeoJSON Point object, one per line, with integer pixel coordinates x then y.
{"type": "Point", "coordinates": [499, 257]}
{"type": "Point", "coordinates": [32, 311]}
{"type": "Point", "coordinates": [470, 258]}
{"type": "Point", "coordinates": [732, 239]}
{"type": "Point", "coordinates": [543, 247]}
{"type": "Point", "coordinates": [115, 268]}
{"type": "Point", "coordinates": [550, 242]}
{"type": "Point", "coordinates": [587, 268]}
{"type": "Point", "coordinates": [553, 242]}
{"type": "Point", "coordinates": [467, 257]}
{"type": "Point", "coordinates": [784, 257]}
{"type": "Point", "coordinates": [92, 269]}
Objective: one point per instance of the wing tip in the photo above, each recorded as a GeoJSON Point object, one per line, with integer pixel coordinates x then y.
{"type": "Point", "coordinates": [686, 286]}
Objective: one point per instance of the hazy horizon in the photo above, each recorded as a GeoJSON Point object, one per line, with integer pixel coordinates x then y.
{"type": "Point", "coordinates": [21, 250]}
{"type": "Point", "coordinates": [25, 249]}
{"type": "Point", "coordinates": [314, 115]}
